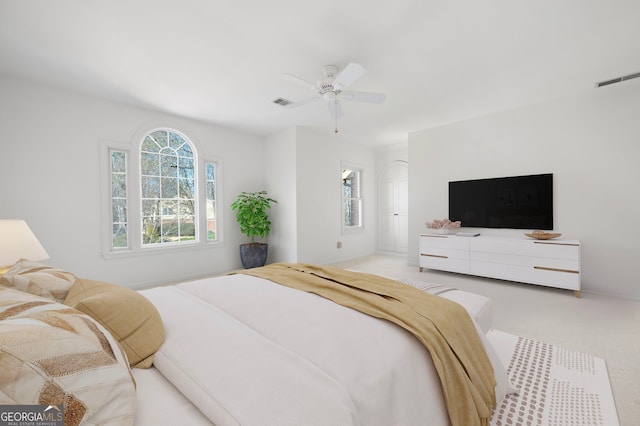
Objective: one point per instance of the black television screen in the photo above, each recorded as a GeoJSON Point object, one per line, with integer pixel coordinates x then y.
{"type": "Point", "coordinates": [518, 202]}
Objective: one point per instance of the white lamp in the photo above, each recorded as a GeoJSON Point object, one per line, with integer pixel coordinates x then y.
{"type": "Point", "coordinates": [18, 242]}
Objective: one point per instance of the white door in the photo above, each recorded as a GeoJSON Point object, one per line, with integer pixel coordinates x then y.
{"type": "Point", "coordinates": [393, 207]}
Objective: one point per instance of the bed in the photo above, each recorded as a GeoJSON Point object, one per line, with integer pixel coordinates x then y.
{"type": "Point", "coordinates": [268, 354]}
{"type": "Point", "coordinates": [244, 350]}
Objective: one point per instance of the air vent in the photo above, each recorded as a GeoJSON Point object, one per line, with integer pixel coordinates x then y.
{"type": "Point", "coordinates": [282, 102]}
{"type": "Point", "coordinates": [618, 80]}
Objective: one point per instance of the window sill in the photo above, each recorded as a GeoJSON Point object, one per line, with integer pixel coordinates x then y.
{"type": "Point", "coordinates": [148, 251]}
{"type": "Point", "coordinates": [353, 230]}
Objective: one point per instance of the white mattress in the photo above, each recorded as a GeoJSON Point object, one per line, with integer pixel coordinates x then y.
{"type": "Point", "coordinates": [160, 403]}
{"type": "Point", "coordinates": [211, 323]}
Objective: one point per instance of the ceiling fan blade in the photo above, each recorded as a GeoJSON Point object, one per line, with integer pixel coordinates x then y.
{"type": "Point", "coordinates": [297, 80]}
{"type": "Point", "coordinates": [374, 98]}
{"type": "Point", "coordinates": [348, 76]}
{"type": "Point", "coordinates": [335, 109]}
{"type": "Point", "coordinates": [303, 102]}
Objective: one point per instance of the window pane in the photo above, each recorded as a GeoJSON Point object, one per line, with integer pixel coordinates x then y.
{"type": "Point", "coordinates": [352, 201]}
{"type": "Point", "coordinates": [351, 183]}
{"type": "Point", "coordinates": [118, 185]}
{"type": "Point", "coordinates": [119, 237]}
{"type": "Point", "coordinates": [118, 162]}
{"type": "Point", "coordinates": [211, 229]}
{"type": "Point", "coordinates": [347, 213]}
{"type": "Point", "coordinates": [185, 151]}
{"type": "Point", "coordinates": [150, 187]}
{"type": "Point", "coordinates": [150, 207]}
{"type": "Point", "coordinates": [185, 167]}
{"type": "Point", "coordinates": [186, 208]}
{"type": "Point", "coordinates": [170, 230]}
{"type": "Point", "coordinates": [168, 208]}
{"type": "Point", "coordinates": [168, 165]}
{"type": "Point", "coordinates": [210, 172]}
{"type": "Point", "coordinates": [149, 164]}
{"type": "Point", "coordinates": [149, 145]}
{"type": "Point", "coordinates": [160, 137]}
{"type": "Point", "coordinates": [175, 140]}
{"type": "Point", "coordinates": [211, 191]}
{"type": "Point", "coordinates": [187, 188]}
{"type": "Point", "coordinates": [150, 230]}
{"type": "Point", "coordinates": [187, 228]}
{"type": "Point", "coordinates": [119, 210]}
{"type": "Point", "coordinates": [169, 188]}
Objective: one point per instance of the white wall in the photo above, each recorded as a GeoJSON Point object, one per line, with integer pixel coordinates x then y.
{"type": "Point", "coordinates": [281, 184]}
{"type": "Point", "coordinates": [388, 154]}
{"type": "Point", "coordinates": [319, 198]}
{"type": "Point", "coordinates": [50, 173]}
{"type": "Point", "coordinates": [590, 142]}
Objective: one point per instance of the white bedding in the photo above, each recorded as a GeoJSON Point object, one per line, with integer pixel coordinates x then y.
{"type": "Point", "coordinates": [248, 351]}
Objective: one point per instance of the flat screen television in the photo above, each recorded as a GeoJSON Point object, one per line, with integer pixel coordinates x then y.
{"type": "Point", "coordinates": [517, 202]}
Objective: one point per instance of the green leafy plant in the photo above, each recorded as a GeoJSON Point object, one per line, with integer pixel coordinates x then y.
{"type": "Point", "coordinates": [252, 213]}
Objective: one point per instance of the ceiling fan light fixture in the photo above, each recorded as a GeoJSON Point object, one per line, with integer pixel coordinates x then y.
{"type": "Point", "coordinates": [332, 86]}
{"type": "Point", "coordinates": [330, 95]}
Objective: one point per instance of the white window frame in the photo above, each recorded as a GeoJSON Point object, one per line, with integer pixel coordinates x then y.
{"type": "Point", "coordinates": [360, 227]}
{"type": "Point", "coordinates": [134, 206]}
{"type": "Point", "coordinates": [196, 196]}
{"type": "Point", "coordinates": [219, 212]}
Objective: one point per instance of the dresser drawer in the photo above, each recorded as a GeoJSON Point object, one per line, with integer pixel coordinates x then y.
{"type": "Point", "coordinates": [557, 250]}
{"type": "Point", "coordinates": [428, 241]}
{"type": "Point", "coordinates": [452, 261]}
{"type": "Point", "coordinates": [560, 275]}
{"type": "Point", "coordinates": [444, 252]}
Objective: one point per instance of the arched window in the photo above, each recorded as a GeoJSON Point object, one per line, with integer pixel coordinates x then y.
{"type": "Point", "coordinates": [168, 189]}
{"type": "Point", "coordinates": [164, 197]}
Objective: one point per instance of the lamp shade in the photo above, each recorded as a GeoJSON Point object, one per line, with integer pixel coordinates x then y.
{"type": "Point", "coordinates": [18, 242]}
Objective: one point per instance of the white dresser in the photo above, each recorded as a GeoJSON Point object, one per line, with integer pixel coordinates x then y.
{"type": "Point", "coordinates": [553, 263]}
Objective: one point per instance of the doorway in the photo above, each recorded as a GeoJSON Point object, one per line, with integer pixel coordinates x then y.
{"type": "Point", "coordinates": [393, 207]}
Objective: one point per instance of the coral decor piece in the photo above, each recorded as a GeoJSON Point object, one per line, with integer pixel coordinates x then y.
{"type": "Point", "coordinates": [443, 226]}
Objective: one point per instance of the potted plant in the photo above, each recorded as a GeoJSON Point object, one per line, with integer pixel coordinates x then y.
{"type": "Point", "coordinates": [252, 214]}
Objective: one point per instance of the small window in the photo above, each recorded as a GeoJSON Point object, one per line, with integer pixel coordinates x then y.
{"type": "Point", "coordinates": [168, 189]}
{"type": "Point", "coordinates": [210, 182]}
{"type": "Point", "coordinates": [351, 198]}
{"type": "Point", "coordinates": [118, 172]}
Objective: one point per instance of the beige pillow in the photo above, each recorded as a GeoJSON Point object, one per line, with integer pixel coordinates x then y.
{"type": "Point", "coordinates": [39, 279]}
{"type": "Point", "coordinates": [129, 316]}
{"type": "Point", "coordinates": [52, 354]}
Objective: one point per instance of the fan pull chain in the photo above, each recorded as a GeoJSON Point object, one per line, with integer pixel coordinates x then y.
{"type": "Point", "coordinates": [336, 115]}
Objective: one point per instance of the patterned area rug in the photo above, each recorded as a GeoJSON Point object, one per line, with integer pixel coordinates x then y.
{"type": "Point", "coordinates": [556, 386]}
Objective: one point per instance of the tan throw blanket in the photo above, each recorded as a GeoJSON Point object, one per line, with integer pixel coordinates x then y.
{"type": "Point", "coordinates": [443, 327]}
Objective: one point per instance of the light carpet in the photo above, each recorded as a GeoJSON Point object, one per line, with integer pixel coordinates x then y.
{"type": "Point", "coordinates": [556, 386]}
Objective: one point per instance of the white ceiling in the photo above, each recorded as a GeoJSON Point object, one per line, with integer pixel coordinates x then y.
{"type": "Point", "coordinates": [222, 61]}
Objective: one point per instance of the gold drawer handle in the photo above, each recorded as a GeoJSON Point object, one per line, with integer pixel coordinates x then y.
{"type": "Point", "coordinates": [544, 268]}
{"type": "Point", "coordinates": [556, 243]}
{"type": "Point", "coordinates": [435, 255]}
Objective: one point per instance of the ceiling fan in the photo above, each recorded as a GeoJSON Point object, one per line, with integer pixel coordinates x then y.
{"type": "Point", "coordinates": [332, 88]}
